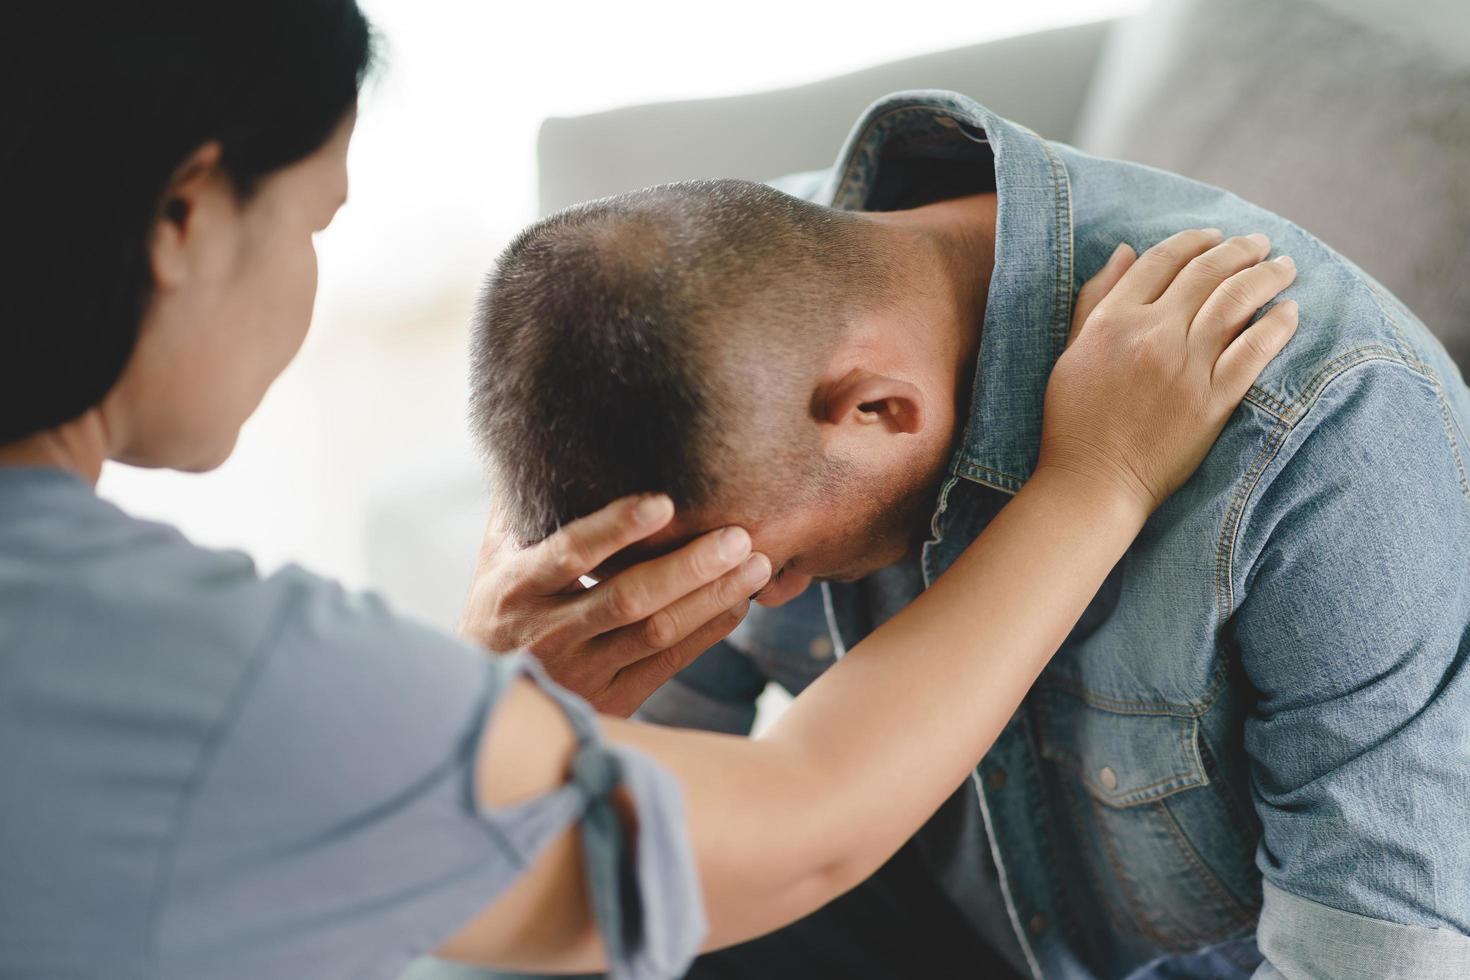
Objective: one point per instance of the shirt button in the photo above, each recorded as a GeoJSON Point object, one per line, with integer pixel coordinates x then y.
{"type": "Point", "coordinates": [996, 779]}
{"type": "Point", "coordinates": [820, 648]}
{"type": "Point", "coordinates": [1108, 778]}
{"type": "Point", "coordinates": [1037, 925]}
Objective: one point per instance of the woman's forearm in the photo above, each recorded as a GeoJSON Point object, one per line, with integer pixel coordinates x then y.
{"type": "Point", "coordinates": [784, 824]}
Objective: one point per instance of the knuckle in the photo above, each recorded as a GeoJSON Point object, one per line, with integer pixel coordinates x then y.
{"type": "Point", "coordinates": [660, 630]}
{"type": "Point", "coordinates": [624, 602]}
{"type": "Point", "coordinates": [507, 602]}
{"type": "Point", "coordinates": [704, 561]}
{"type": "Point", "coordinates": [727, 591]}
{"type": "Point", "coordinates": [1211, 263]}
{"type": "Point", "coordinates": [566, 555]}
{"type": "Point", "coordinates": [669, 662]}
{"type": "Point", "coordinates": [1242, 246]}
{"type": "Point", "coordinates": [1101, 317]}
{"type": "Point", "coordinates": [730, 618]}
{"type": "Point", "coordinates": [1236, 291]}
{"type": "Point", "coordinates": [1166, 252]}
{"type": "Point", "coordinates": [1256, 346]}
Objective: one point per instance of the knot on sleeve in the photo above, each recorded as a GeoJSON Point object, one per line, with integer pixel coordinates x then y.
{"type": "Point", "coordinates": [596, 771]}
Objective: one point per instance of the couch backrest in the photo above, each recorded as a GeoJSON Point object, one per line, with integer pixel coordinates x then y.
{"type": "Point", "coordinates": [1038, 79]}
{"type": "Point", "coordinates": [1350, 117]}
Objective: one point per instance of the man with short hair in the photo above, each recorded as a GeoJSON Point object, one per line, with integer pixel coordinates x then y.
{"type": "Point", "coordinates": [1250, 758]}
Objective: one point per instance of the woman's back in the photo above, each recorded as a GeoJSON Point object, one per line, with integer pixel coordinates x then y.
{"type": "Point", "coordinates": [138, 834]}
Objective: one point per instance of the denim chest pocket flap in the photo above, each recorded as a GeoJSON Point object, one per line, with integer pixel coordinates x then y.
{"type": "Point", "coordinates": [1124, 757]}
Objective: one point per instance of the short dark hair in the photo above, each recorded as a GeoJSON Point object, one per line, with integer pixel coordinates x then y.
{"type": "Point", "coordinates": [665, 340]}
{"type": "Point", "coordinates": [100, 103]}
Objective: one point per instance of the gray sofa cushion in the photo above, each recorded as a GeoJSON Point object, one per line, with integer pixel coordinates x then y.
{"type": "Point", "coordinates": [1038, 79]}
{"type": "Point", "coordinates": [1350, 117]}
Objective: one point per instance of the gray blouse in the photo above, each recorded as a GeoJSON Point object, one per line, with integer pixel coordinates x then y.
{"type": "Point", "coordinates": [206, 773]}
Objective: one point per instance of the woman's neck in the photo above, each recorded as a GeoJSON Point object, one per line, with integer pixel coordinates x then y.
{"type": "Point", "coordinates": [79, 447]}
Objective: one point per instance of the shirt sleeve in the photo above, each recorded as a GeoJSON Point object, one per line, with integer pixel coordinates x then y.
{"type": "Point", "coordinates": [333, 829]}
{"type": "Point", "coordinates": [1355, 633]}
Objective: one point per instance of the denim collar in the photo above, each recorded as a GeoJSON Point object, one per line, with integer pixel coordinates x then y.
{"type": "Point", "coordinates": [1029, 306]}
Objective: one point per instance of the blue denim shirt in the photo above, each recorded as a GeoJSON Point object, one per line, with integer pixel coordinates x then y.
{"type": "Point", "coordinates": [1252, 756]}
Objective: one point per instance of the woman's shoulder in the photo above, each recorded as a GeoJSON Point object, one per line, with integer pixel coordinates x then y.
{"type": "Point", "coordinates": [75, 568]}
{"type": "Point", "coordinates": [115, 606]}
{"type": "Point", "coordinates": [168, 715]}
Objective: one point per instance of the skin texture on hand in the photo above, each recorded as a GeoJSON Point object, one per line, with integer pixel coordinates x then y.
{"type": "Point", "coordinates": [615, 643]}
{"type": "Point", "coordinates": [1159, 358]}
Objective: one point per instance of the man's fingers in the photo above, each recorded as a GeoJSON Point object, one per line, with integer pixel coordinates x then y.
{"type": "Point", "coordinates": [637, 681]}
{"type": "Point", "coordinates": [1247, 356]}
{"type": "Point", "coordinates": [1157, 267]}
{"type": "Point", "coordinates": [582, 545]}
{"type": "Point", "coordinates": [1230, 307]}
{"type": "Point", "coordinates": [643, 590]}
{"type": "Point", "coordinates": [1094, 289]}
{"type": "Point", "coordinates": [1202, 277]}
{"type": "Point", "coordinates": [675, 623]}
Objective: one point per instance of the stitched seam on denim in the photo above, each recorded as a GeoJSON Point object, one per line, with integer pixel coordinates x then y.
{"type": "Point", "coordinates": [1062, 291]}
{"type": "Point", "coordinates": [1329, 371]}
{"type": "Point", "coordinates": [1407, 351]}
{"type": "Point", "coordinates": [1230, 529]}
{"type": "Point", "coordinates": [1141, 925]}
{"type": "Point", "coordinates": [885, 120]}
{"type": "Point", "coordinates": [1033, 766]}
{"type": "Point", "coordinates": [1267, 397]}
{"type": "Point", "coordinates": [1102, 702]}
{"type": "Point", "coordinates": [1072, 799]}
{"type": "Point", "coordinates": [1266, 402]}
{"type": "Point", "coordinates": [990, 817]}
{"type": "Point", "coordinates": [1241, 914]}
{"type": "Point", "coordinates": [1243, 490]}
{"type": "Point", "coordinates": [1240, 817]}
{"type": "Point", "coordinates": [994, 479]}
{"type": "Point", "coordinates": [1189, 779]}
{"type": "Point", "coordinates": [1035, 773]}
{"type": "Point", "coordinates": [1450, 428]}
{"type": "Point", "coordinates": [1133, 797]}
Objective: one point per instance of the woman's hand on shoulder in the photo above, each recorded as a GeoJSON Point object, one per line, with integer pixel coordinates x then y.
{"type": "Point", "coordinates": [1161, 353]}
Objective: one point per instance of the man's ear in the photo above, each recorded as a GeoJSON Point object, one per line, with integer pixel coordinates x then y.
{"type": "Point", "coordinates": [861, 397]}
{"type": "Point", "coordinates": [182, 215]}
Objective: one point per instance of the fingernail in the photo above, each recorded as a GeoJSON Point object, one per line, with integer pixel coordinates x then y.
{"type": "Point", "coordinates": [734, 543]}
{"type": "Point", "coordinates": [1290, 306]}
{"type": "Point", "coordinates": [1259, 239]}
{"type": "Point", "coordinates": [756, 571]}
{"type": "Point", "coordinates": [1213, 231]}
{"type": "Point", "coordinates": [1286, 260]}
{"type": "Point", "coordinates": [652, 509]}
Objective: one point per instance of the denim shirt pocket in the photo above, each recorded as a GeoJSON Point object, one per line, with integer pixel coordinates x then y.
{"type": "Point", "coordinates": [1148, 824]}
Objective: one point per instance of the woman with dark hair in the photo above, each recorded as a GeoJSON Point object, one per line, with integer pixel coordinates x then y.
{"type": "Point", "coordinates": [209, 773]}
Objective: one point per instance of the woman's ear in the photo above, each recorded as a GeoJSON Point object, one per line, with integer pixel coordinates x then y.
{"type": "Point", "coordinates": [863, 398]}
{"type": "Point", "coordinates": [181, 215]}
